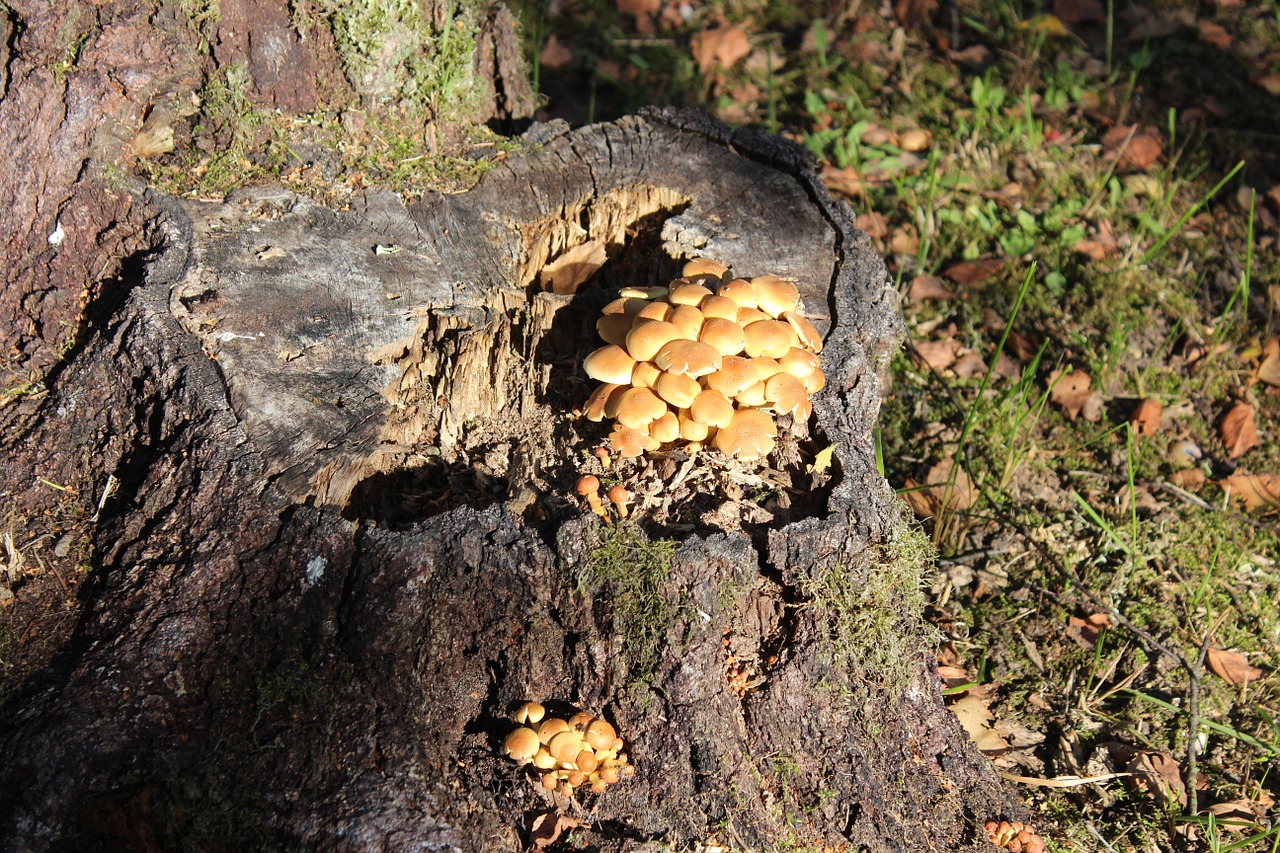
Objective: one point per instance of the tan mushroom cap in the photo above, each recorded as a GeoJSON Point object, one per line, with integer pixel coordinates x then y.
{"type": "Point", "coordinates": [766, 367]}
{"type": "Point", "coordinates": [530, 712]}
{"type": "Point", "coordinates": [688, 294]}
{"type": "Point", "coordinates": [565, 746]}
{"type": "Point", "coordinates": [747, 316]}
{"type": "Point", "coordinates": [600, 734]}
{"type": "Point", "coordinates": [775, 296]}
{"type": "Point", "coordinates": [599, 403]}
{"type": "Point", "coordinates": [644, 375]}
{"type": "Point", "coordinates": [654, 311]}
{"type": "Point", "coordinates": [644, 292]}
{"type": "Point", "coordinates": [725, 335]}
{"type": "Point", "coordinates": [551, 727]}
{"type": "Point", "coordinates": [630, 443]}
{"type": "Point", "coordinates": [693, 358]}
{"type": "Point", "coordinates": [815, 382]}
{"type": "Point", "coordinates": [613, 328]}
{"type": "Point", "coordinates": [721, 307]}
{"type": "Point", "coordinates": [688, 320]}
{"type": "Point", "coordinates": [740, 291]}
{"type": "Point", "coordinates": [522, 745]}
{"type": "Point", "coordinates": [704, 266]}
{"type": "Point", "coordinates": [735, 373]}
{"type": "Point", "coordinates": [788, 396]}
{"type": "Point", "coordinates": [691, 430]}
{"type": "Point", "coordinates": [711, 408]}
{"type": "Point", "coordinates": [805, 331]}
{"type": "Point", "coordinates": [665, 428]}
{"type": "Point", "coordinates": [800, 362]}
{"type": "Point", "coordinates": [610, 364]}
{"type": "Point", "coordinates": [543, 760]}
{"type": "Point", "coordinates": [677, 389]}
{"type": "Point", "coordinates": [752, 395]}
{"type": "Point", "coordinates": [646, 338]}
{"type": "Point", "coordinates": [623, 305]}
{"type": "Point", "coordinates": [749, 436]}
{"type": "Point", "coordinates": [771, 338]}
{"type": "Point", "coordinates": [639, 407]}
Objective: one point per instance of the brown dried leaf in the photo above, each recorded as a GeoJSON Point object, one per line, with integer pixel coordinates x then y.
{"type": "Point", "coordinates": [969, 365]}
{"type": "Point", "coordinates": [547, 828]}
{"type": "Point", "coordinates": [1023, 347]}
{"type": "Point", "coordinates": [1237, 815]}
{"type": "Point", "coordinates": [922, 503]}
{"type": "Point", "coordinates": [953, 676]}
{"type": "Point", "coordinates": [1214, 34]}
{"type": "Point", "coordinates": [954, 491]}
{"type": "Point", "coordinates": [1159, 775]}
{"type": "Point", "coordinates": [1233, 667]}
{"type": "Point", "coordinates": [1007, 367]}
{"type": "Point", "coordinates": [1238, 431]}
{"type": "Point", "coordinates": [1085, 631]}
{"type": "Point", "coordinates": [1146, 417]}
{"type": "Point", "coordinates": [913, 13]}
{"type": "Point", "coordinates": [566, 273]}
{"type": "Point", "coordinates": [1188, 478]}
{"type": "Point", "coordinates": [926, 287]}
{"type": "Point", "coordinates": [847, 181]}
{"type": "Point", "coordinates": [874, 224]}
{"type": "Point", "coordinates": [939, 355]}
{"type": "Point", "coordinates": [973, 272]}
{"type": "Point", "coordinates": [1270, 83]}
{"type": "Point", "coordinates": [554, 55]}
{"type": "Point", "coordinates": [1269, 368]}
{"type": "Point", "coordinates": [638, 7]}
{"type": "Point", "coordinates": [722, 47]}
{"type": "Point", "coordinates": [1071, 392]}
{"type": "Point", "coordinates": [1136, 147]}
{"type": "Point", "coordinates": [1072, 12]}
{"type": "Point", "coordinates": [1258, 492]}
{"type": "Point", "coordinates": [976, 719]}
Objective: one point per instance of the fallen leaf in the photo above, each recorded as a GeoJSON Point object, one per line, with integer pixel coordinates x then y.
{"type": "Point", "coordinates": [1146, 417]}
{"type": "Point", "coordinates": [973, 272]}
{"type": "Point", "coordinates": [638, 7]}
{"type": "Point", "coordinates": [721, 47]}
{"type": "Point", "coordinates": [1023, 347]}
{"type": "Point", "coordinates": [939, 355]}
{"type": "Point", "coordinates": [976, 718]}
{"type": "Point", "coordinates": [969, 365]}
{"type": "Point", "coordinates": [874, 224]}
{"type": "Point", "coordinates": [1072, 12]}
{"type": "Point", "coordinates": [1136, 146]}
{"type": "Point", "coordinates": [926, 287]}
{"type": "Point", "coordinates": [1159, 775]}
{"type": "Point", "coordinates": [1238, 431]}
{"type": "Point", "coordinates": [554, 55]}
{"type": "Point", "coordinates": [904, 241]}
{"type": "Point", "coordinates": [1270, 83]}
{"type": "Point", "coordinates": [1233, 667]}
{"type": "Point", "coordinates": [1091, 411]}
{"type": "Point", "coordinates": [953, 676]}
{"type": "Point", "coordinates": [1214, 34]}
{"type": "Point", "coordinates": [1189, 479]}
{"type": "Point", "coordinates": [951, 486]}
{"type": "Point", "coordinates": [567, 272]}
{"type": "Point", "coordinates": [920, 501]}
{"type": "Point", "coordinates": [913, 13]}
{"type": "Point", "coordinates": [1269, 368]}
{"type": "Point", "coordinates": [847, 181]}
{"type": "Point", "coordinates": [915, 139]}
{"type": "Point", "coordinates": [1071, 392]}
{"type": "Point", "coordinates": [974, 56]}
{"type": "Point", "coordinates": [1258, 492]}
{"type": "Point", "coordinates": [1236, 816]}
{"type": "Point", "coordinates": [547, 828]}
{"type": "Point", "coordinates": [1007, 367]}
{"type": "Point", "coordinates": [1085, 631]}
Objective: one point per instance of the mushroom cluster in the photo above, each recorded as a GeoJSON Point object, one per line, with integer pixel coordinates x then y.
{"type": "Point", "coordinates": [1015, 837]}
{"type": "Point", "coordinates": [708, 358]}
{"type": "Point", "coordinates": [582, 750]}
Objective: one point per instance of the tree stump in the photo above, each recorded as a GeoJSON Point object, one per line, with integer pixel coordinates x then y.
{"type": "Point", "coordinates": [341, 543]}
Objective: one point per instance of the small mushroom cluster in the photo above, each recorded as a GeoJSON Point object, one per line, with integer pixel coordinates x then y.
{"type": "Point", "coordinates": [709, 358]}
{"type": "Point", "coordinates": [1015, 837]}
{"type": "Point", "coordinates": [582, 750]}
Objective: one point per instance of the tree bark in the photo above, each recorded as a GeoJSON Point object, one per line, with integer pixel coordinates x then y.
{"type": "Point", "coordinates": [325, 462]}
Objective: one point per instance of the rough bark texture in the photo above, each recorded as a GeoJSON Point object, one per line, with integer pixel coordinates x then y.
{"type": "Point", "coordinates": [252, 659]}
{"type": "Point", "coordinates": [321, 463]}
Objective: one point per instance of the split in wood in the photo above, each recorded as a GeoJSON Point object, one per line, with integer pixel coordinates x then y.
{"type": "Point", "coordinates": [582, 750]}
{"type": "Point", "coordinates": [709, 358]}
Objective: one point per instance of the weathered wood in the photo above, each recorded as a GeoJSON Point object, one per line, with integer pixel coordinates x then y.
{"type": "Point", "coordinates": [342, 547]}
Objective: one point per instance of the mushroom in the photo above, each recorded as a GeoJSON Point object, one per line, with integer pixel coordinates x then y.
{"type": "Point", "coordinates": [600, 734]}
{"type": "Point", "coordinates": [645, 339]}
{"type": "Point", "coordinates": [704, 266]}
{"type": "Point", "coordinates": [522, 745]}
{"type": "Point", "coordinates": [610, 364]}
{"type": "Point", "coordinates": [665, 428]}
{"type": "Point", "coordinates": [619, 497]}
{"type": "Point", "coordinates": [748, 436]}
{"type": "Point", "coordinates": [530, 712]}
{"type": "Point", "coordinates": [740, 291]}
{"type": "Point", "coordinates": [644, 375]}
{"type": "Point", "coordinates": [602, 454]}
{"type": "Point", "coordinates": [799, 362]}
{"type": "Point", "coordinates": [688, 320]}
{"type": "Point", "coordinates": [770, 338]}
{"type": "Point", "coordinates": [788, 396]}
{"type": "Point", "coordinates": [639, 407]}
{"type": "Point", "coordinates": [551, 727]}
{"type": "Point", "coordinates": [688, 294]}
{"type": "Point", "coordinates": [630, 443]}
{"type": "Point", "coordinates": [725, 335]}
{"type": "Point", "coordinates": [804, 330]}
{"type": "Point", "coordinates": [677, 389]}
{"type": "Point", "coordinates": [589, 488]}
{"type": "Point", "coordinates": [735, 373]}
{"type": "Point", "coordinates": [565, 746]}
{"type": "Point", "coordinates": [603, 401]}
{"type": "Point", "coordinates": [654, 311]}
{"type": "Point", "coordinates": [775, 296]}
{"type": "Point", "coordinates": [693, 358]}
{"type": "Point", "coordinates": [613, 328]}
{"type": "Point", "coordinates": [711, 408]}
{"type": "Point", "coordinates": [719, 306]}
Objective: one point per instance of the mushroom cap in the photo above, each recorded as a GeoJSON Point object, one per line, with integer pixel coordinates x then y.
{"type": "Point", "coordinates": [687, 319]}
{"type": "Point", "coordinates": [609, 364]}
{"type": "Point", "coordinates": [530, 712]}
{"type": "Point", "coordinates": [788, 396]}
{"type": "Point", "coordinates": [725, 335]}
{"type": "Point", "coordinates": [639, 407]}
{"type": "Point", "coordinates": [644, 375]}
{"type": "Point", "coordinates": [665, 428]}
{"type": "Point", "coordinates": [629, 306]}
{"type": "Point", "coordinates": [646, 338]}
{"type": "Point", "coordinates": [688, 294]}
{"type": "Point", "coordinates": [600, 734]}
{"type": "Point", "coordinates": [588, 485]}
{"type": "Point", "coordinates": [654, 311]}
{"type": "Point", "coordinates": [815, 382]}
{"type": "Point", "coordinates": [565, 746]}
{"type": "Point", "coordinates": [656, 292]}
{"type": "Point", "coordinates": [610, 775]}
{"type": "Point", "coordinates": [740, 291]}
{"type": "Point", "coordinates": [579, 721]}
{"type": "Point", "coordinates": [711, 408]}
{"type": "Point", "coordinates": [587, 761]}
{"type": "Point", "coordinates": [522, 745]}
{"type": "Point", "coordinates": [677, 389]}
{"type": "Point", "coordinates": [704, 266]}
{"type": "Point", "coordinates": [618, 495]}
{"type": "Point", "coordinates": [749, 436]}
{"type": "Point", "coordinates": [603, 401]}
{"type": "Point", "coordinates": [805, 331]}
{"type": "Point", "coordinates": [693, 358]}
{"type": "Point", "coordinates": [551, 727]}
{"type": "Point", "coordinates": [746, 316]}
{"type": "Point", "coordinates": [719, 306]}
{"type": "Point", "coordinates": [766, 367]}
{"type": "Point", "coordinates": [735, 373]}
{"type": "Point", "coordinates": [800, 362]}
{"type": "Point", "coordinates": [770, 338]}
{"type": "Point", "coordinates": [613, 328]}
{"type": "Point", "coordinates": [774, 295]}
{"type": "Point", "coordinates": [752, 395]}
{"type": "Point", "coordinates": [630, 443]}
{"type": "Point", "coordinates": [543, 760]}
{"type": "Point", "coordinates": [691, 430]}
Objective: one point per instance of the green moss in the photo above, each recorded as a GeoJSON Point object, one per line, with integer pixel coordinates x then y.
{"type": "Point", "coordinates": [629, 571]}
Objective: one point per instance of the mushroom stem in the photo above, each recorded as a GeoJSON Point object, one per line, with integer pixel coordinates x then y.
{"type": "Point", "coordinates": [602, 454]}
{"type": "Point", "coordinates": [619, 496]}
{"type": "Point", "coordinates": [589, 488]}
